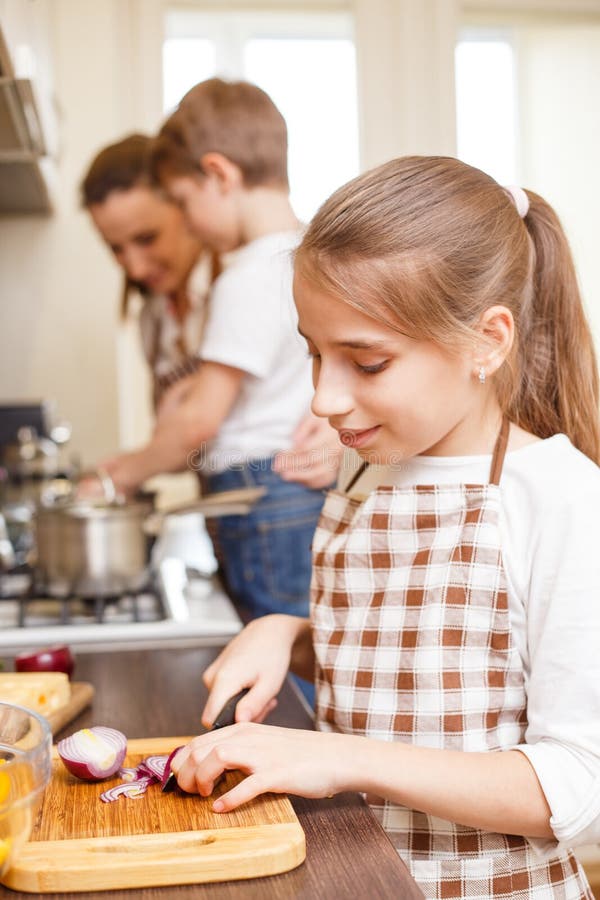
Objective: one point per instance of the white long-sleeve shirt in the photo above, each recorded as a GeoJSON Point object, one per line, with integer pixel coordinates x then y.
{"type": "Point", "coordinates": [550, 531]}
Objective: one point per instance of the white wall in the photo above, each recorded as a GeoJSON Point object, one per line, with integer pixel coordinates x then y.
{"type": "Point", "coordinates": [405, 55]}
{"type": "Point", "coordinates": [561, 138]}
{"type": "Point", "coordinates": [60, 290]}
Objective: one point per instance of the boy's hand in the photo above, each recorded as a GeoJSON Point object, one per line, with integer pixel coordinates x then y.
{"type": "Point", "coordinates": [281, 760]}
{"type": "Point", "coordinates": [258, 658]}
{"type": "Point", "coordinates": [315, 456]}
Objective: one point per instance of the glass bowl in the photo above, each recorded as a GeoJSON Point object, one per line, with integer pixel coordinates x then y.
{"type": "Point", "coordinates": [25, 753]}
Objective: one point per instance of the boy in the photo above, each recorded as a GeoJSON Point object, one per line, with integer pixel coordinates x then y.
{"type": "Point", "coordinates": [222, 156]}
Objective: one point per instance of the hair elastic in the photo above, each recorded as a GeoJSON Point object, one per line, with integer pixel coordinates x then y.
{"type": "Point", "coordinates": [519, 198]}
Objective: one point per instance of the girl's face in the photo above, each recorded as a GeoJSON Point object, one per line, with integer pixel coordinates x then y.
{"type": "Point", "coordinates": [388, 395]}
{"type": "Point", "coordinates": [148, 237]}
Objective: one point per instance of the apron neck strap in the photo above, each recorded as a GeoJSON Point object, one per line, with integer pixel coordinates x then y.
{"type": "Point", "coordinates": [359, 472]}
{"type": "Point", "coordinates": [499, 452]}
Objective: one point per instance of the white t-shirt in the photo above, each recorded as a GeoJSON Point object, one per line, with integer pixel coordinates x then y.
{"type": "Point", "coordinates": [252, 326]}
{"type": "Point", "coordinates": [550, 495]}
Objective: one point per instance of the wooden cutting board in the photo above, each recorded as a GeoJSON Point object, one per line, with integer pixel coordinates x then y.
{"type": "Point", "coordinates": [82, 844]}
{"type": "Point", "coordinates": [73, 697]}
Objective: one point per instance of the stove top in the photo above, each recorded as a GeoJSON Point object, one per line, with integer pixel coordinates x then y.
{"type": "Point", "coordinates": [180, 608]}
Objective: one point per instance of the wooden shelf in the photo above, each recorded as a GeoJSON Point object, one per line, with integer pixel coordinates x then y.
{"type": "Point", "coordinates": [20, 126]}
{"type": "Point", "coordinates": [25, 183]}
{"type": "Point", "coordinates": [26, 172]}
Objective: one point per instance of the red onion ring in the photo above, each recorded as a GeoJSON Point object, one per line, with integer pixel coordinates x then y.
{"type": "Point", "coordinates": [167, 770]}
{"type": "Point", "coordinates": [132, 789]}
{"type": "Point", "coordinates": [93, 754]}
{"type": "Point", "coordinates": [153, 765]}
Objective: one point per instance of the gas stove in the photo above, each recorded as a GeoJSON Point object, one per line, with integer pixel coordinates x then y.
{"type": "Point", "coordinates": [177, 608]}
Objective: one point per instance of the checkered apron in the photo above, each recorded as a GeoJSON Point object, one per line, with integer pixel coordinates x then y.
{"type": "Point", "coordinates": [412, 638]}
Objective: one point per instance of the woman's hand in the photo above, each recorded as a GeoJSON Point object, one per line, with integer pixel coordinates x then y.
{"type": "Point", "coordinates": [281, 760]}
{"type": "Point", "coordinates": [315, 456]}
{"type": "Point", "coordinates": [257, 658]}
{"type": "Point", "coordinates": [126, 471]}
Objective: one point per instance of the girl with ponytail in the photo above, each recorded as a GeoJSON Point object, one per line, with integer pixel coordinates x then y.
{"type": "Point", "coordinates": [454, 616]}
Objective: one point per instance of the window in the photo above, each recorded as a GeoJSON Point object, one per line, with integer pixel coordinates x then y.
{"type": "Point", "coordinates": [551, 90]}
{"type": "Point", "coordinates": [306, 64]}
{"type": "Point", "coordinates": [185, 62]}
{"type": "Point", "coordinates": [486, 109]}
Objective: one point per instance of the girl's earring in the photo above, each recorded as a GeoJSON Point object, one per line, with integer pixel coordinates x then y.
{"type": "Point", "coordinates": [481, 375]}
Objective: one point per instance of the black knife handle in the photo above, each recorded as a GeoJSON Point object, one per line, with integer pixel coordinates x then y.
{"type": "Point", "coordinates": [227, 714]}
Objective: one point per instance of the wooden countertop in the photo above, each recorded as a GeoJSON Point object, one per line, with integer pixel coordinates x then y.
{"type": "Point", "coordinates": [157, 693]}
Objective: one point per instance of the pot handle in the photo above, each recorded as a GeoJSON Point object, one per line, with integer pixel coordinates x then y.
{"type": "Point", "coordinates": [224, 503]}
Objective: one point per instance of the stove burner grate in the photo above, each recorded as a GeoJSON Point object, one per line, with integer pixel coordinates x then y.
{"type": "Point", "coordinates": [35, 606]}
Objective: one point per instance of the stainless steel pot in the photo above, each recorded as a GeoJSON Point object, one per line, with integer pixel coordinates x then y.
{"type": "Point", "coordinates": [100, 549]}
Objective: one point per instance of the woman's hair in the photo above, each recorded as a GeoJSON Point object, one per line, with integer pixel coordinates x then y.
{"type": "Point", "coordinates": [117, 167]}
{"type": "Point", "coordinates": [427, 244]}
{"type": "Point", "coordinates": [234, 118]}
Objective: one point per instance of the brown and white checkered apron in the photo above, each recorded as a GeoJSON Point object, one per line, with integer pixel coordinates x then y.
{"type": "Point", "coordinates": [413, 643]}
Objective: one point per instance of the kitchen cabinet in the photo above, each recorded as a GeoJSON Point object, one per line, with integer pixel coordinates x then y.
{"type": "Point", "coordinates": [28, 132]}
{"type": "Point", "coordinates": [156, 693]}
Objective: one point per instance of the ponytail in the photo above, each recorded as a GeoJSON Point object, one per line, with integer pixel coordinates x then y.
{"type": "Point", "coordinates": [558, 386]}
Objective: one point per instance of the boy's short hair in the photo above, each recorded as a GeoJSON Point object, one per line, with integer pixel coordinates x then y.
{"type": "Point", "coordinates": [235, 118]}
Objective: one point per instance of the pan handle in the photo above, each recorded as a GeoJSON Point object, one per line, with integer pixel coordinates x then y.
{"type": "Point", "coordinates": [224, 503]}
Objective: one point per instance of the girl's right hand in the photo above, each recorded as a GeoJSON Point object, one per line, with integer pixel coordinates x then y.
{"type": "Point", "coordinates": [258, 658]}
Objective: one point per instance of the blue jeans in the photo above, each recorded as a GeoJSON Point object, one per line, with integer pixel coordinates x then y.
{"type": "Point", "coordinates": [266, 555]}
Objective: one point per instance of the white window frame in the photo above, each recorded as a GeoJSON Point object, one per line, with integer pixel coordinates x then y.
{"type": "Point", "coordinates": [471, 32]}
{"type": "Point", "coordinates": [229, 29]}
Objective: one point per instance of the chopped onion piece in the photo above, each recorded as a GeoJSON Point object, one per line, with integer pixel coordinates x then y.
{"type": "Point", "coordinates": [132, 789]}
{"type": "Point", "coordinates": [153, 765]}
{"type": "Point", "coordinates": [167, 783]}
{"type": "Point", "coordinates": [93, 753]}
{"type": "Point", "coordinates": [127, 773]}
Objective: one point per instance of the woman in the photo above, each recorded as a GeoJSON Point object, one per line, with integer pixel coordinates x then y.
{"type": "Point", "coordinates": [160, 258]}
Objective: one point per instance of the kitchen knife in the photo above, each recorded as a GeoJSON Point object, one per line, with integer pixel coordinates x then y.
{"type": "Point", "coordinates": [226, 717]}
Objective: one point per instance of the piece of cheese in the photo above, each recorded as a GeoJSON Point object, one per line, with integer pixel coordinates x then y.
{"type": "Point", "coordinates": [44, 692]}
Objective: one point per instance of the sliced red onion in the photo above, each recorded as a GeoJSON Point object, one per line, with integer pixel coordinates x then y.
{"type": "Point", "coordinates": [127, 773]}
{"type": "Point", "coordinates": [132, 789]}
{"type": "Point", "coordinates": [167, 771]}
{"type": "Point", "coordinates": [93, 754]}
{"type": "Point", "coordinates": [153, 765]}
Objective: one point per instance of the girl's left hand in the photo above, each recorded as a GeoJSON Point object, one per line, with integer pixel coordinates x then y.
{"type": "Point", "coordinates": [280, 760]}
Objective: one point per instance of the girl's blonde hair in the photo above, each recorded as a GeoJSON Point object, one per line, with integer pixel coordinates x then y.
{"type": "Point", "coordinates": [427, 244]}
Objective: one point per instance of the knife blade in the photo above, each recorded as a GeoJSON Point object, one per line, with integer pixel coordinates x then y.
{"type": "Point", "coordinates": [225, 717]}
